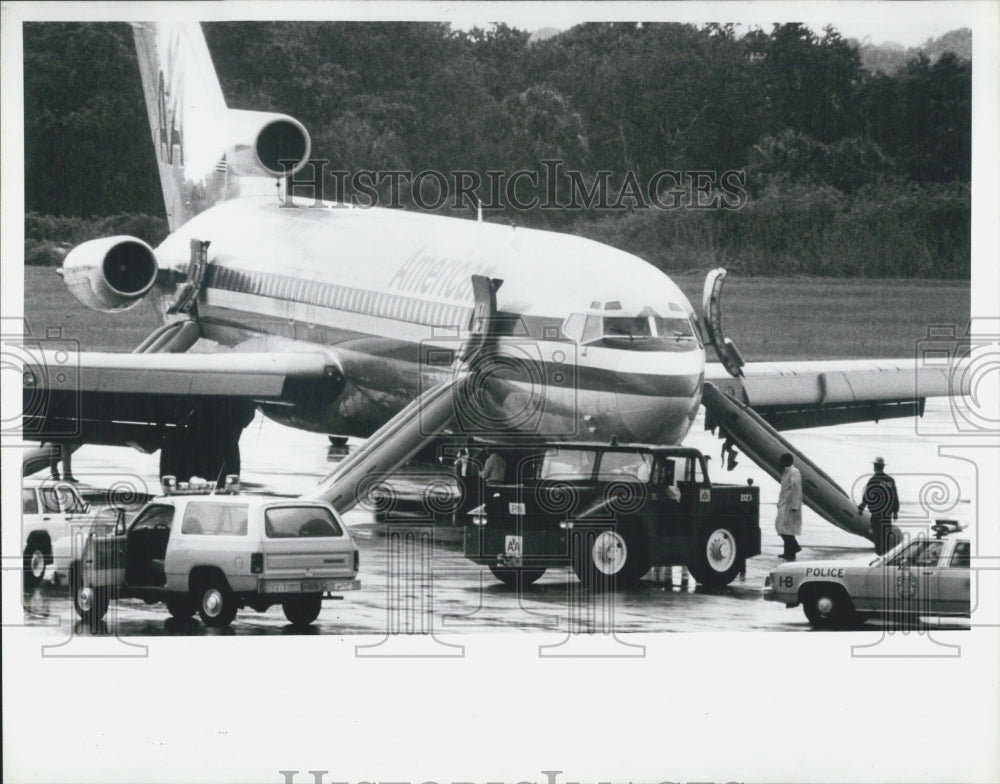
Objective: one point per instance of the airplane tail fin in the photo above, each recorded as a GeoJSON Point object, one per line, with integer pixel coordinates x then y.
{"type": "Point", "coordinates": [207, 152]}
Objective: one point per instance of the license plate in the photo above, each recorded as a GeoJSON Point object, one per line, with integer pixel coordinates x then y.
{"type": "Point", "coordinates": [513, 547]}
{"type": "Point", "coordinates": [309, 586]}
{"type": "Point", "coordinates": [282, 587]}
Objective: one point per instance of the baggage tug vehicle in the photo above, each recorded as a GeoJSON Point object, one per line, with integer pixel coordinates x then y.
{"type": "Point", "coordinates": [611, 512]}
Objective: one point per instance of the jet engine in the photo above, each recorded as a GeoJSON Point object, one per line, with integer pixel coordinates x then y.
{"type": "Point", "coordinates": [260, 141]}
{"type": "Point", "coordinates": [110, 274]}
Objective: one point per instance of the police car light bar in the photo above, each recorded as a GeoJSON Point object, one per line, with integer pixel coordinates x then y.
{"type": "Point", "coordinates": [945, 527]}
{"type": "Point", "coordinates": [198, 486]}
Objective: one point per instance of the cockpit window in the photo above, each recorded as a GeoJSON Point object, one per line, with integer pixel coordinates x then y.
{"type": "Point", "coordinates": [628, 327]}
{"type": "Point", "coordinates": [636, 333]}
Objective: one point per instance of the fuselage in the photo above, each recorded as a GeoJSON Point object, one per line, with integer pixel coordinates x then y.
{"type": "Point", "coordinates": [604, 340]}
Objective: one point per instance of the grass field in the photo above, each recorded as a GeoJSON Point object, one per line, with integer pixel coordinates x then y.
{"type": "Point", "coordinates": [767, 318]}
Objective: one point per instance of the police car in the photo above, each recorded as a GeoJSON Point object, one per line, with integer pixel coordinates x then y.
{"type": "Point", "coordinates": [925, 575]}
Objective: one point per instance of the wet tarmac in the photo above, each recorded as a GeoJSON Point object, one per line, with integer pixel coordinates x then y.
{"type": "Point", "coordinates": [416, 579]}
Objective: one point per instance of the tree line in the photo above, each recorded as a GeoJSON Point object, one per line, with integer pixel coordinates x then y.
{"type": "Point", "coordinates": [838, 170]}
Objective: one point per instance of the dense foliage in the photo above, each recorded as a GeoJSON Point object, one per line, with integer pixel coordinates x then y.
{"type": "Point", "coordinates": [844, 171]}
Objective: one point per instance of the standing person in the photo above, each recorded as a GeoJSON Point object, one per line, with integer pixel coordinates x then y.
{"type": "Point", "coordinates": [495, 468]}
{"type": "Point", "coordinates": [882, 500]}
{"type": "Point", "coordinates": [788, 523]}
{"type": "Point", "coordinates": [466, 472]}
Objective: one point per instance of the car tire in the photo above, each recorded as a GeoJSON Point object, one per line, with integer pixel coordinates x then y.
{"type": "Point", "coordinates": [36, 557]}
{"type": "Point", "coordinates": [181, 607]}
{"type": "Point", "coordinates": [90, 603]}
{"type": "Point", "coordinates": [302, 610]}
{"type": "Point", "coordinates": [717, 559]}
{"type": "Point", "coordinates": [828, 607]}
{"type": "Point", "coordinates": [215, 602]}
{"type": "Point", "coordinates": [513, 577]}
{"type": "Point", "coordinates": [610, 558]}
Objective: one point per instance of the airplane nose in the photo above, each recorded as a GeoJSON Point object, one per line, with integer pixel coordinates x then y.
{"type": "Point", "coordinates": [652, 419]}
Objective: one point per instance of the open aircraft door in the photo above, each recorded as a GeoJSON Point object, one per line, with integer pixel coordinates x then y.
{"type": "Point", "coordinates": [423, 420]}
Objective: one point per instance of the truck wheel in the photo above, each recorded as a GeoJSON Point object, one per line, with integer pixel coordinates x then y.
{"type": "Point", "coordinates": [828, 607]}
{"type": "Point", "coordinates": [181, 607]}
{"type": "Point", "coordinates": [91, 603]}
{"type": "Point", "coordinates": [303, 610]}
{"type": "Point", "coordinates": [36, 557]}
{"type": "Point", "coordinates": [611, 558]}
{"type": "Point", "coordinates": [717, 558]}
{"type": "Point", "coordinates": [216, 603]}
{"type": "Point", "coordinates": [514, 577]}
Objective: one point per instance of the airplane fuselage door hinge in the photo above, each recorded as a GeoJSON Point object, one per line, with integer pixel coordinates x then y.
{"type": "Point", "coordinates": [711, 305]}
{"type": "Point", "coordinates": [187, 294]}
{"type": "Point", "coordinates": [484, 316]}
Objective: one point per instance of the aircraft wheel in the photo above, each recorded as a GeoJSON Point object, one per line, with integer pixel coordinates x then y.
{"type": "Point", "coordinates": [828, 607]}
{"type": "Point", "coordinates": [514, 577]}
{"type": "Point", "coordinates": [303, 610]}
{"type": "Point", "coordinates": [607, 559]}
{"type": "Point", "coordinates": [717, 558]}
{"type": "Point", "coordinates": [90, 602]}
{"type": "Point", "coordinates": [216, 603]}
{"type": "Point", "coordinates": [36, 557]}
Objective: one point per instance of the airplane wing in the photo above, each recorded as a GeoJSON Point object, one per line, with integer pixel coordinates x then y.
{"type": "Point", "coordinates": [129, 399]}
{"type": "Point", "coordinates": [791, 395]}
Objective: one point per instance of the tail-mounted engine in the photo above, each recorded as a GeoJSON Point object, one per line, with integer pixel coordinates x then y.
{"type": "Point", "coordinates": [263, 144]}
{"type": "Point", "coordinates": [110, 274]}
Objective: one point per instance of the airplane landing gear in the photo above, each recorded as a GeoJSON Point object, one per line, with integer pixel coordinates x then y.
{"type": "Point", "coordinates": [209, 443]}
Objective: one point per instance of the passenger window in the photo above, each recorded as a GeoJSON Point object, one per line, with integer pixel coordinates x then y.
{"type": "Point", "coordinates": [960, 558]}
{"type": "Point", "coordinates": [50, 500]}
{"type": "Point", "coordinates": [923, 552]}
{"type": "Point", "coordinates": [568, 464]}
{"type": "Point", "coordinates": [208, 519]}
{"type": "Point", "coordinates": [290, 522]}
{"type": "Point", "coordinates": [61, 498]}
{"type": "Point", "coordinates": [693, 471]}
{"type": "Point", "coordinates": [154, 517]}
{"type": "Point", "coordinates": [29, 502]}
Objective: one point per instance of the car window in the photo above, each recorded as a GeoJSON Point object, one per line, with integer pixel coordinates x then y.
{"type": "Point", "coordinates": [626, 466]}
{"type": "Point", "coordinates": [289, 522]}
{"type": "Point", "coordinates": [568, 464]}
{"type": "Point", "coordinates": [923, 552]}
{"type": "Point", "coordinates": [29, 502]}
{"type": "Point", "coordinates": [208, 519]}
{"type": "Point", "coordinates": [61, 498]}
{"type": "Point", "coordinates": [960, 557]}
{"type": "Point", "coordinates": [160, 516]}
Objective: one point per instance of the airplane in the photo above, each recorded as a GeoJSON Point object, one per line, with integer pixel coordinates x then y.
{"type": "Point", "coordinates": [403, 327]}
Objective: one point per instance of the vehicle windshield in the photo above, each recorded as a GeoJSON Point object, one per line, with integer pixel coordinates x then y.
{"type": "Point", "coordinates": [290, 522]}
{"type": "Point", "coordinates": [625, 466]}
{"type": "Point", "coordinates": [563, 463]}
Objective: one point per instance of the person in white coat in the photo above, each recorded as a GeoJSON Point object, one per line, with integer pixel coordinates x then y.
{"type": "Point", "coordinates": [788, 523]}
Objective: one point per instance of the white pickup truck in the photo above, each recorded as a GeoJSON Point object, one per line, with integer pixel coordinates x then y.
{"type": "Point", "coordinates": [216, 553]}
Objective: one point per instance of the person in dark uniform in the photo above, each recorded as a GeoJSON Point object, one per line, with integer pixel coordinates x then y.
{"type": "Point", "coordinates": [882, 500]}
{"type": "Point", "coordinates": [467, 474]}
